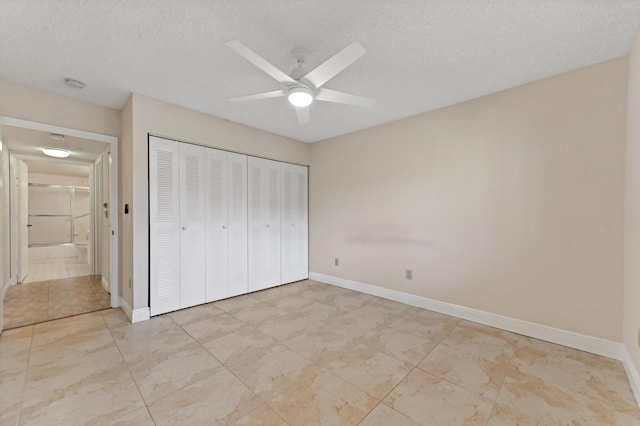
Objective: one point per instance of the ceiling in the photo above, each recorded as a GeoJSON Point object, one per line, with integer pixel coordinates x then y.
{"type": "Point", "coordinates": [29, 142]}
{"type": "Point", "coordinates": [422, 54]}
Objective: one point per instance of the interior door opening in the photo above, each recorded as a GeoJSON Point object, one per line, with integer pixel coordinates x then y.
{"type": "Point", "coordinates": [61, 232]}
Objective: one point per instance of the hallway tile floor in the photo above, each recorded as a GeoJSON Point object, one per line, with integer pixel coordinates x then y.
{"type": "Point", "coordinates": [301, 354]}
{"type": "Point", "coordinates": [44, 271]}
{"type": "Point", "coordinates": [31, 303]}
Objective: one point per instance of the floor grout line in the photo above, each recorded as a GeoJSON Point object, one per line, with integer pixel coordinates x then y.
{"type": "Point", "coordinates": [115, 342]}
{"type": "Point", "coordinates": [26, 373]}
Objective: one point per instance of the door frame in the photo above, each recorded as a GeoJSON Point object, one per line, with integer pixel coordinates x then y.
{"type": "Point", "coordinates": [114, 283]}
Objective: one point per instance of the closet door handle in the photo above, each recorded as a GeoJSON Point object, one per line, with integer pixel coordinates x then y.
{"type": "Point", "coordinates": [224, 226]}
{"type": "Point", "coordinates": [184, 228]}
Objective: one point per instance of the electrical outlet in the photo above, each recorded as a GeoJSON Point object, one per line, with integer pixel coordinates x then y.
{"type": "Point", "coordinates": [336, 261]}
{"type": "Point", "coordinates": [409, 274]}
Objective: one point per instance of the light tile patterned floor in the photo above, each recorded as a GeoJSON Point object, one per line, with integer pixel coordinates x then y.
{"type": "Point", "coordinates": [301, 354]}
{"type": "Point", "coordinates": [32, 303]}
{"type": "Point", "coordinates": [54, 270]}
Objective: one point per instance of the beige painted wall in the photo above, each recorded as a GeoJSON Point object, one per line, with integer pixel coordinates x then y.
{"type": "Point", "coordinates": [6, 230]}
{"type": "Point", "coordinates": [171, 121]}
{"type": "Point", "coordinates": [42, 107]}
{"type": "Point", "coordinates": [511, 203]}
{"type": "Point", "coordinates": [5, 247]}
{"type": "Point", "coordinates": [47, 179]}
{"type": "Point", "coordinates": [125, 195]}
{"type": "Point", "coordinates": [632, 211]}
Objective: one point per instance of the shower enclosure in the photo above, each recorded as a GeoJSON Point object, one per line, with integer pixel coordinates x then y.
{"type": "Point", "coordinates": [59, 222]}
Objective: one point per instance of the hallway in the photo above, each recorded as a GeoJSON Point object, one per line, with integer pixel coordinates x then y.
{"type": "Point", "coordinates": [35, 302]}
{"type": "Point", "coordinates": [61, 268]}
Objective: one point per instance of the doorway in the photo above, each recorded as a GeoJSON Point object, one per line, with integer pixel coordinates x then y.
{"type": "Point", "coordinates": [62, 236]}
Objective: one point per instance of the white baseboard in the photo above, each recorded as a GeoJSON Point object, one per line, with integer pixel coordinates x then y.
{"type": "Point", "coordinates": [140, 314]}
{"type": "Point", "coordinates": [135, 315]}
{"type": "Point", "coordinates": [125, 308]}
{"type": "Point", "coordinates": [570, 339]}
{"type": "Point", "coordinates": [632, 374]}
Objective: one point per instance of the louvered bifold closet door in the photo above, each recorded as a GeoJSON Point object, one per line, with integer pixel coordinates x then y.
{"type": "Point", "coordinates": [216, 225]}
{"type": "Point", "coordinates": [273, 273]}
{"type": "Point", "coordinates": [264, 223]}
{"type": "Point", "coordinates": [192, 231]}
{"type": "Point", "coordinates": [257, 224]}
{"type": "Point", "coordinates": [294, 223]}
{"type": "Point", "coordinates": [164, 220]}
{"type": "Point", "coordinates": [237, 223]}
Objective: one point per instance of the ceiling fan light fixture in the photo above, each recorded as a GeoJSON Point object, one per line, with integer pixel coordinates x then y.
{"type": "Point", "coordinates": [55, 152]}
{"type": "Point", "coordinates": [300, 97]}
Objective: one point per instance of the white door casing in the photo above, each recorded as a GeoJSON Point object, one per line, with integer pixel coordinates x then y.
{"type": "Point", "coordinates": [23, 181]}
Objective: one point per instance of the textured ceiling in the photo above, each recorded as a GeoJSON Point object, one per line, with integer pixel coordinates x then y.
{"type": "Point", "coordinates": [422, 54]}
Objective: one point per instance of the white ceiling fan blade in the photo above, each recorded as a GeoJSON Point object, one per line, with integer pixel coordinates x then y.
{"type": "Point", "coordinates": [259, 62]}
{"type": "Point", "coordinates": [332, 66]}
{"type": "Point", "coordinates": [257, 96]}
{"type": "Point", "coordinates": [329, 95]}
{"type": "Point", "coordinates": [303, 114]}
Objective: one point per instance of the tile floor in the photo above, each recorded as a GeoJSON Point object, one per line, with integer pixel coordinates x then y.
{"type": "Point", "coordinates": [301, 354]}
{"type": "Point", "coordinates": [54, 270]}
{"type": "Point", "coordinates": [31, 303]}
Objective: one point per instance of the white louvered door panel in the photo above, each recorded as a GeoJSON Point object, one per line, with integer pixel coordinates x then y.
{"type": "Point", "coordinates": [164, 221]}
{"type": "Point", "coordinates": [237, 224]}
{"type": "Point", "coordinates": [294, 223]}
{"type": "Point", "coordinates": [257, 231]}
{"type": "Point", "coordinates": [216, 225]}
{"type": "Point", "coordinates": [300, 267]}
{"type": "Point", "coordinates": [272, 254]}
{"type": "Point", "coordinates": [287, 224]}
{"type": "Point", "coordinates": [192, 220]}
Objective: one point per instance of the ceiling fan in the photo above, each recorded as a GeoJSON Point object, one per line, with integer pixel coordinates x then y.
{"type": "Point", "coordinates": [302, 88]}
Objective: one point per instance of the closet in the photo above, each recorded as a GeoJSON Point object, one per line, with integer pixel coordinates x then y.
{"type": "Point", "coordinates": [222, 224]}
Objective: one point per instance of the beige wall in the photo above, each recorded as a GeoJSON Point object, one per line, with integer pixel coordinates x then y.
{"type": "Point", "coordinates": [5, 247]}
{"type": "Point", "coordinates": [6, 230]}
{"type": "Point", "coordinates": [511, 203]}
{"type": "Point", "coordinates": [42, 107]}
{"type": "Point", "coordinates": [632, 211]}
{"type": "Point", "coordinates": [171, 121]}
{"type": "Point", "coordinates": [47, 179]}
{"type": "Point", "coordinates": [125, 195]}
